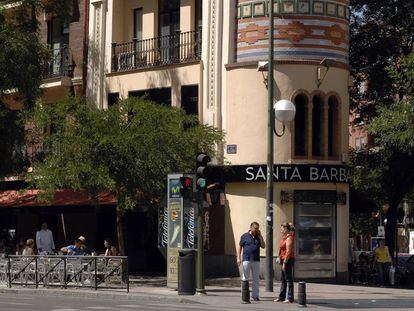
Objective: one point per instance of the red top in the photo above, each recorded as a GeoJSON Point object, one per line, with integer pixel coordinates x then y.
{"type": "Point", "coordinates": [283, 246]}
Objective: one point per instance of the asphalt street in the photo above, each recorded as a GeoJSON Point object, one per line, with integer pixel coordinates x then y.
{"type": "Point", "coordinates": [12, 302]}
{"type": "Point", "coordinates": [17, 302]}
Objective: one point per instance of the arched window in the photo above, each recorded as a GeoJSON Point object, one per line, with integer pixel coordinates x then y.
{"type": "Point", "coordinates": [317, 127]}
{"type": "Point", "coordinates": [333, 127]}
{"type": "Point", "coordinates": [301, 125]}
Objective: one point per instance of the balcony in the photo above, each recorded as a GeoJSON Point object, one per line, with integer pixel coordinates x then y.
{"type": "Point", "coordinates": [60, 63]}
{"type": "Point", "coordinates": [182, 47]}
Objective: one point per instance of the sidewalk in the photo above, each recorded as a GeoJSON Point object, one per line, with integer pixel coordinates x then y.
{"type": "Point", "coordinates": [225, 293]}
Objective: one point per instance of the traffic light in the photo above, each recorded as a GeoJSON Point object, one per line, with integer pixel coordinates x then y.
{"type": "Point", "coordinates": [186, 188]}
{"type": "Point", "coordinates": [202, 160]}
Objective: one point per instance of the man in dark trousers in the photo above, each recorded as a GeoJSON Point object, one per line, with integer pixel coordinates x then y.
{"type": "Point", "coordinates": [250, 244]}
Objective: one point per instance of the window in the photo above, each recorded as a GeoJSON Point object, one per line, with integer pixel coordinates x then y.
{"type": "Point", "coordinates": [333, 127]}
{"type": "Point", "coordinates": [160, 96]}
{"type": "Point", "coordinates": [314, 224]}
{"type": "Point", "coordinates": [169, 26]}
{"type": "Point", "coordinates": [317, 126]}
{"type": "Point", "coordinates": [359, 143]}
{"type": "Point", "coordinates": [301, 125]}
{"type": "Point", "coordinates": [189, 99]}
{"type": "Point", "coordinates": [112, 99]}
{"type": "Point", "coordinates": [138, 24]}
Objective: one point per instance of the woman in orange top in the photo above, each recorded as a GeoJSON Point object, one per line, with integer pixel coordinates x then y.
{"type": "Point", "coordinates": [287, 259]}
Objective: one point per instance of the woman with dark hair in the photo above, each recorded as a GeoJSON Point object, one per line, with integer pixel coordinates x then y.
{"type": "Point", "coordinates": [110, 249]}
{"type": "Point", "coordinates": [287, 259]}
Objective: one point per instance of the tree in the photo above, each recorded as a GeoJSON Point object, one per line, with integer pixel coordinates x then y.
{"type": "Point", "coordinates": [387, 171]}
{"type": "Point", "coordinates": [381, 35]}
{"type": "Point", "coordinates": [23, 58]}
{"type": "Point", "coordinates": [128, 149]}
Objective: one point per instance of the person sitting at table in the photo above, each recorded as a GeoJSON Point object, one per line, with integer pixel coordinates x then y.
{"type": "Point", "coordinates": [29, 249]}
{"type": "Point", "coordinates": [110, 249]}
{"type": "Point", "coordinates": [75, 249]}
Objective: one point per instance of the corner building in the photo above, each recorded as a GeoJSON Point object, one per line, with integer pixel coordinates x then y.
{"type": "Point", "coordinates": [203, 56]}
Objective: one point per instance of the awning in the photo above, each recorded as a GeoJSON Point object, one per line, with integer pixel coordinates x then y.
{"type": "Point", "coordinates": [65, 197]}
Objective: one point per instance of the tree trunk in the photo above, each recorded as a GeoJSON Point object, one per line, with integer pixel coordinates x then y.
{"type": "Point", "coordinates": [120, 231]}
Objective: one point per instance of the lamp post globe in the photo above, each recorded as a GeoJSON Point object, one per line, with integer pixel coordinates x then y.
{"type": "Point", "coordinates": [284, 111]}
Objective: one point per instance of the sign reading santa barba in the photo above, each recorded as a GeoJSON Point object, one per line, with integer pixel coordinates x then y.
{"type": "Point", "coordinates": [283, 173]}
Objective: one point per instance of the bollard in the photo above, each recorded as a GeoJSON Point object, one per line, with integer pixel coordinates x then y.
{"type": "Point", "coordinates": [302, 294]}
{"type": "Point", "coordinates": [245, 292]}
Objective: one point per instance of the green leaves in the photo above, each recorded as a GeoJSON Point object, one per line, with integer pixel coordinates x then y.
{"type": "Point", "coordinates": [128, 149]}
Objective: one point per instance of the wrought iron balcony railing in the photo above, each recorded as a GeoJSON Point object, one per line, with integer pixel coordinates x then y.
{"type": "Point", "coordinates": [60, 63]}
{"type": "Point", "coordinates": [181, 47]}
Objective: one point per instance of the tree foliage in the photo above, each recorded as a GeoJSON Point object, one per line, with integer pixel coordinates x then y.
{"type": "Point", "coordinates": [386, 172]}
{"type": "Point", "coordinates": [23, 56]}
{"type": "Point", "coordinates": [128, 149]}
{"type": "Point", "coordinates": [382, 34]}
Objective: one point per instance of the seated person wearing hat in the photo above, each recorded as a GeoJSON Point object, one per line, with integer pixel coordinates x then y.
{"type": "Point", "coordinates": [74, 250]}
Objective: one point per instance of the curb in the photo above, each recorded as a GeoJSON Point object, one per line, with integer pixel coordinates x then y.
{"type": "Point", "coordinates": [100, 295]}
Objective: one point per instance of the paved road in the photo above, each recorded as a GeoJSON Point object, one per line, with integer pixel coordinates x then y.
{"type": "Point", "coordinates": [320, 297]}
{"type": "Point", "coordinates": [20, 302]}
{"type": "Point", "coordinates": [12, 302]}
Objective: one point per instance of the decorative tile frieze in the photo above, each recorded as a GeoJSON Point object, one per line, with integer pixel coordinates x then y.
{"type": "Point", "coordinates": [329, 8]}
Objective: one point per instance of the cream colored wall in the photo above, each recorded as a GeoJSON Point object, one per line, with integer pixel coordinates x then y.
{"type": "Point", "coordinates": [173, 76]}
{"type": "Point", "coordinates": [246, 202]}
{"type": "Point", "coordinates": [246, 113]}
{"type": "Point", "coordinates": [122, 30]}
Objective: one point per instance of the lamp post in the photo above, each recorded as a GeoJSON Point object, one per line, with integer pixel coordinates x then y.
{"type": "Point", "coordinates": [284, 111]}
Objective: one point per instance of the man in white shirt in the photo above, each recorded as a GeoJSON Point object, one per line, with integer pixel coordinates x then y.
{"type": "Point", "coordinates": [44, 240]}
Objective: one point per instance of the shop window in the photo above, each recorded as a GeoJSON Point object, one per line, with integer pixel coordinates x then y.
{"type": "Point", "coordinates": [189, 99]}
{"type": "Point", "coordinates": [301, 126]}
{"type": "Point", "coordinates": [333, 127]}
{"type": "Point", "coordinates": [314, 224]}
{"type": "Point", "coordinates": [317, 126]}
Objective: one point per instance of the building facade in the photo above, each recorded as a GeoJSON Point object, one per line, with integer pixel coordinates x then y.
{"type": "Point", "coordinates": [203, 56]}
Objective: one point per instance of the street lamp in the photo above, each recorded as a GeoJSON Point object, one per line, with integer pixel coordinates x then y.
{"type": "Point", "coordinates": [284, 111]}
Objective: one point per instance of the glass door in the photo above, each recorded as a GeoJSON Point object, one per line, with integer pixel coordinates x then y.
{"type": "Point", "coordinates": [169, 26]}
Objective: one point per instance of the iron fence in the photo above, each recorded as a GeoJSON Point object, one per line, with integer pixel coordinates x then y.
{"type": "Point", "coordinates": [65, 271]}
{"type": "Point", "coordinates": [177, 48]}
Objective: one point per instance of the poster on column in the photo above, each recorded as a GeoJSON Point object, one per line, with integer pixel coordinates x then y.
{"type": "Point", "coordinates": [412, 242]}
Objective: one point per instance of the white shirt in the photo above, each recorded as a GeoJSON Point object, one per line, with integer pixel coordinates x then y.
{"type": "Point", "coordinates": [44, 240]}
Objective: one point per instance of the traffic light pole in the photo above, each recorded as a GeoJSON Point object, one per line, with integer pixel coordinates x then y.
{"type": "Point", "coordinates": [200, 245]}
{"type": "Point", "coordinates": [270, 143]}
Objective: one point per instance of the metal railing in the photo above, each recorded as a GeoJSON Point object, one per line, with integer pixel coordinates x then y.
{"type": "Point", "coordinates": [65, 271]}
{"type": "Point", "coordinates": [181, 47]}
{"type": "Point", "coordinates": [60, 63]}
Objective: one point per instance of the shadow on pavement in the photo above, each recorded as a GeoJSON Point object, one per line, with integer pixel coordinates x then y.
{"type": "Point", "coordinates": [363, 303]}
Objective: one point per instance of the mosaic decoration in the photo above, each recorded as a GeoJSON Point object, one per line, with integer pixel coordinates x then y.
{"type": "Point", "coordinates": [246, 10]}
{"type": "Point", "coordinates": [304, 7]}
{"type": "Point", "coordinates": [259, 9]}
{"type": "Point", "coordinates": [288, 7]}
{"type": "Point", "coordinates": [331, 9]}
{"type": "Point", "coordinates": [299, 7]}
{"type": "Point", "coordinates": [309, 30]}
{"type": "Point", "coordinates": [318, 7]}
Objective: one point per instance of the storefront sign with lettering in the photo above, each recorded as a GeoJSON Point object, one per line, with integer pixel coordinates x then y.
{"type": "Point", "coordinates": [285, 173]}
